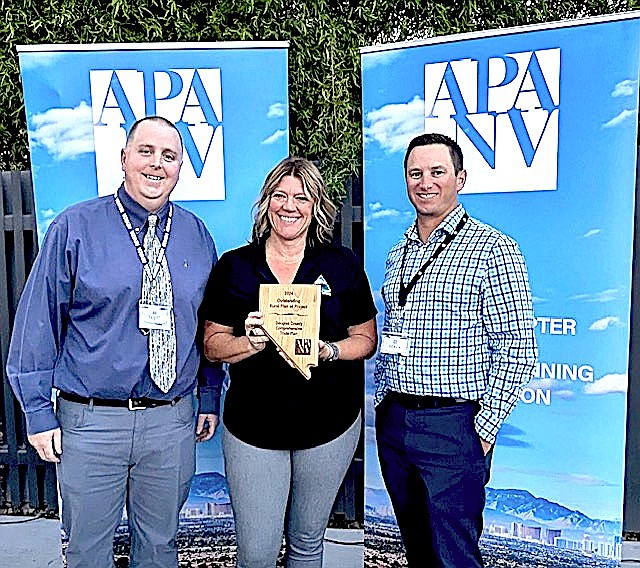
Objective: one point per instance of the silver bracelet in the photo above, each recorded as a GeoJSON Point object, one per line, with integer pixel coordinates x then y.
{"type": "Point", "coordinates": [335, 351]}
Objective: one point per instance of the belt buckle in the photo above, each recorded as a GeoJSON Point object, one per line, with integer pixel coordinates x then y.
{"type": "Point", "coordinates": [135, 404]}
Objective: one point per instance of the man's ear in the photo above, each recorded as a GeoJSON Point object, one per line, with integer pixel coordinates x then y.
{"type": "Point", "coordinates": [122, 158]}
{"type": "Point", "coordinates": [461, 179]}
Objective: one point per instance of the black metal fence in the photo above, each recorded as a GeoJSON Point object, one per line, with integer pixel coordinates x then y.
{"type": "Point", "coordinates": [349, 230]}
{"type": "Point", "coordinates": [27, 484]}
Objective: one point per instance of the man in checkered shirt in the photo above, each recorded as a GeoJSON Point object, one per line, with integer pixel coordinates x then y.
{"type": "Point", "coordinates": [457, 346]}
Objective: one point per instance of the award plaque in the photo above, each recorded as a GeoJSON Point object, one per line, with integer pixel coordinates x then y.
{"type": "Point", "coordinates": [291, 314]}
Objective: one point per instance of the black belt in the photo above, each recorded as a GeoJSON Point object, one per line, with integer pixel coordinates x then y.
{"type": "Point", "coordinates": [416, 402]}
{"type": "Point", "coordinates": [130, 403]}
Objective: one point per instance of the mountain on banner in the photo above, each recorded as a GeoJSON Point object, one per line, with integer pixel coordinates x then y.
{"type": "Point", "coordinates": [209, 487]}
{"type": "Point", "coordinates": [377, 503]}
{"type": "Point", "coordinates": [522, 505]}
{"type": "Point", "coordinates": [513, 505]}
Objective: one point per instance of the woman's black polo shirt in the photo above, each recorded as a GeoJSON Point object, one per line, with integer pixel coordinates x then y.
{"type": "Point", "coordinates": [269, 404]}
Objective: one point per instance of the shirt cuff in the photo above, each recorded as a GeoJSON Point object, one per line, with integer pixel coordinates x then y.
{"type": "Point", "coordinates": [210, 380]}
{"type": "Point", "coordinates": [209, 401]}
{"type": "Point", "coordinates": [41, 421]}
{"type": "Point", "coordinates": [487, 425]}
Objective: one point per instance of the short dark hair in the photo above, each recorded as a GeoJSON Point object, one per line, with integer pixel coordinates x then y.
{"type": "Point", "coordinates": [152, 118]}
{"type": "Point", "coordinates": [435, 138]}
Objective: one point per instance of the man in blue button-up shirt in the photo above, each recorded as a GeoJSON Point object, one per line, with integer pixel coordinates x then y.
{"type": "Point", "coordinates": [116, 436]}
{"type": "Point", "coordinates": [457, 346]}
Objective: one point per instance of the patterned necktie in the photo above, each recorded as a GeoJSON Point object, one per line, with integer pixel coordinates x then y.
{"type": "Point", "coordinates": [157, 290]}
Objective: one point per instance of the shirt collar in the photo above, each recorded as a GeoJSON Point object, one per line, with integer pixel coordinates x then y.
{"type": "Point", "coordinates": [137, 213]}
{"type": "Point", "coordinates": [447, 225]}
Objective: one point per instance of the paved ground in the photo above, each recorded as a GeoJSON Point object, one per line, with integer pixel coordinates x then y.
{"type": "Point", "coordinates": [630, 554]}
{"type": "Point", "coordinates": [26, 542]}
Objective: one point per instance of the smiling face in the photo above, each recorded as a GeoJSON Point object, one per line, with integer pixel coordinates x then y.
{"type": "Point", "coordinates": [151, 163]}
{"type": "Point", "coordinates": [290, 210]}
{"type": "Point", "coordinates": [432, 184]}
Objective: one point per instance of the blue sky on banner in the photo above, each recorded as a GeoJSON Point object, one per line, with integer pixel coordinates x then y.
{"type": "Point", "coordinates": [573, 221]}
{"type": "Point", "coordinates": [76, 102]}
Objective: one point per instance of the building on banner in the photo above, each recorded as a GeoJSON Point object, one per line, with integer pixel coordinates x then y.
{"type": "Point", "coordinates": [230, 103]}
{"type": "Point", "coordinates": [547, 118]}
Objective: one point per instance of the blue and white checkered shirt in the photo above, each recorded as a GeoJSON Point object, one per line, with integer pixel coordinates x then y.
{"type": "Point", "coordinates": [468, 320]}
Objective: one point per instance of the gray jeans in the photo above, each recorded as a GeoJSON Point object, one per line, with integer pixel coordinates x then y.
{"type": "Point", "coordinates": [263, 483]}
{"type": "Point", "coordinates": [110, 456]}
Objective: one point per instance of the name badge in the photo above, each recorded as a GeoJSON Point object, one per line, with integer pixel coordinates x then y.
{"type": "Point", "coordinates": [394, 344]}
{"type": "Point", "coordinates": [151, 316]}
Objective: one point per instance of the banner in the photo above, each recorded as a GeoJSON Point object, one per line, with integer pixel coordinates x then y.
{"type": "Point", "coordinates": [230, 103]}
{"type": "Point", "coordinates": [80, 101]}
{"type": "Point", "coordinates": [547, 120]}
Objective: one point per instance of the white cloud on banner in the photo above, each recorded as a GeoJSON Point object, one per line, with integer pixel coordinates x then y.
{"type": "Point", "coordinates": [274, 137]}
{"type": "Point", "coordinates": [44, 220]}
{"type": "Point", "coordinates": [382, 213]}
{"type": "Point", "coordinates": [592, 233]}
{"type": "Point", "coordinates": [378, 300]}
{"type": "Point", "coordinates": [66, 133]}
{"type": "Point", "coordinates": [616, 120]}
{"type": "Point", "coordinates": [562, 477]}
{"type": "Point", "coordinates": [559, 388]}
{"type": "Point", "coordinates": [40, 59]}
{"type": "Point", "coordinates": [608, 295]}
{"type": "Point", "coordinates": [377, 211]}
{"type": "Point", "coordinates": [605, 323]}
{"type": "Point", "coordinates": [276, 110]}
{"type": "Point", "coordinates": [612, 383]}
{"type": "Point", "coordinates": [624, 88]}
{"type": "Point", "coordinates": [371, 60]}
{"type": "Point", "coordinates": [394, 125]}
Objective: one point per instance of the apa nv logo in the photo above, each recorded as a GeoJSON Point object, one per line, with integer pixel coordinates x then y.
{"type": "Point", "coordinates": [503, 111]}
{"type": "Point", "coordinates": [191, 98]}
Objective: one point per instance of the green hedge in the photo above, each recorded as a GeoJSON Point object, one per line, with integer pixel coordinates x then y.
{"type": "Point", "coordinates": [324, 58]}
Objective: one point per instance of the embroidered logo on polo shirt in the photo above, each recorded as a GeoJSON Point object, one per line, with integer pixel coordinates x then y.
{"type": "Point", "coordinates": [324, 285]}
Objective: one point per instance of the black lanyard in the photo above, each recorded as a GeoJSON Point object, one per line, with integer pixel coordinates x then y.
{"type": "Point", "coordinates": [405, 290]}
{"type": "Point", "coordinates": [136, 242]}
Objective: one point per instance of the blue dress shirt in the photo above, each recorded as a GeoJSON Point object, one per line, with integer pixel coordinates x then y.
{"type": "Point", "coordinates": [468, 320]}
{"type": "Point", "coordinates": [76, 327]}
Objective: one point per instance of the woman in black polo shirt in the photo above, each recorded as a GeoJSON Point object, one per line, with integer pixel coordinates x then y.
{"type": "Point", "coordinates": [288, 441]}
